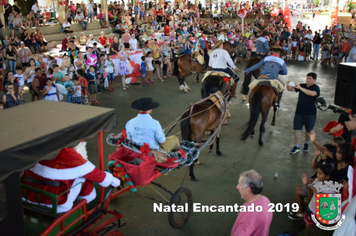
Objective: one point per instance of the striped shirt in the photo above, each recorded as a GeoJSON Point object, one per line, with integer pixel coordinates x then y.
{"type": "Point", "coordinates": [24, 54]}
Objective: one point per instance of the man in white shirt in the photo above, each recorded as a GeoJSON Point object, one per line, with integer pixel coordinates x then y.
{"type": "Point", "coordinates": [309, 35]}
{"type": "Point", "coordinates": [35, 7]}
{"type": "Point", "coordinates": [220, 58]}
{"type": "Point", "coordinates": [90, 8]}
{"type": "Point", "coordinates": [79, 17]}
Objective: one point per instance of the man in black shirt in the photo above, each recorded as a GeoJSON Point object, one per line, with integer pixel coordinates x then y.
{"type": "Point", "coordinates": [305, 113]}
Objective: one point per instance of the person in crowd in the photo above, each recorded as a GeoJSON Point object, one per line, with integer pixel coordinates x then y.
{"type": "Point", "coordinates": [250, 186]}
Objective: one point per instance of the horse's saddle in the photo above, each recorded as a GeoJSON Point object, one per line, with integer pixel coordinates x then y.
{"type": "Point", "coordinates": [277, 86]}
{"type": "Point", "coordinates": [199, 58]}
{"type": "Point", "coordinates": [218, 73]}
{"type": "Point", "coordinates": [218, 99]}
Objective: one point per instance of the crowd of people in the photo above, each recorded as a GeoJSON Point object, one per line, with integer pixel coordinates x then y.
{"type": "Point", "coordinates": [85, 74]}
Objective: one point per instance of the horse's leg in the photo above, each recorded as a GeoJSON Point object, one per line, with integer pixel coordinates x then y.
{"type": "Point", "coordinates": [218, 146]}
{"type": "Point", "coordinates": [197, 77]}
{"type": "Point", "coordinates": [191, 172]}
{"type": "Point", "coordinates": [262, 126]}
{"type": "Point", "coordinates": [210, 152]}
{"type": "Point", "coordinates": [274, 115]}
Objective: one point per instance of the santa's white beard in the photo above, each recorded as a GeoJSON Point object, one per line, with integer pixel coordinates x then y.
{"type": "Point", "coordinates": [82, 150]}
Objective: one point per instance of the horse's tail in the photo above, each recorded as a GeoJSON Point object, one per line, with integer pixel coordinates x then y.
{"type": "Point", "coordinates": [185, 126]}
{"type": "Point", "coordinates": [254, 114]}
{"type": "Point", "coordinates": [176, 68]}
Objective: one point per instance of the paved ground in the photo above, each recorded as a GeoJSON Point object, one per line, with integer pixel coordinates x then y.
{"type": "Point", "coordinates": [217, 176]}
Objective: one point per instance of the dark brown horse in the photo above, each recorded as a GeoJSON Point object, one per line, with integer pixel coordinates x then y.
{"type": "Point", "coordinates": [261, 99]}
{"type": "Point", "coordinates": [185, 64]}
{"type": "Point", "coordinates": [205, 115]}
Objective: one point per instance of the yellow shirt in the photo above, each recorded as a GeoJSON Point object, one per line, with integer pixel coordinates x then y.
{"type": "Point", "coordinates": [155, 48]}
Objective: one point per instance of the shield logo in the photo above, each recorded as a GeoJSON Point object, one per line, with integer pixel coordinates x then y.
{"type": "Point", "coordinates": [328, 208]}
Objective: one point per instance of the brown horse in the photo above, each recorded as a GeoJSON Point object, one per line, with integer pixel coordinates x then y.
{"type": "Point", "coordinates": [185, 64]}
{"type": "Point", "coordinates": [261, 99]}
{"type": "Point", "coordinates": [205, 115]}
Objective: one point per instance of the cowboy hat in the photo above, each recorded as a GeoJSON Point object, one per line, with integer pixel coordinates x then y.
{"type": "Point", "coordinates": [206, 32]}
{"type": "Point", "coordinates": [217, 44]}
{"type": "Point", "coordinates": [276, 48]}
{"type": "Point", "coordinates": [144, 104]}
{"type": "Point", "coordinates": [264, 33]}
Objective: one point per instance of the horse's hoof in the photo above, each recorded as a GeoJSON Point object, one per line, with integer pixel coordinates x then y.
{"type": "Point", "coordinates": [260, 143]}
{"type": "Point", "coordinates": [219, 153]}
{"type": "Point", "coordinates": [243, 98]}
{"type": "Point", "coordinates": [207, 132]}
{"type": "Point", "coordinates": [225, 122]}
{"type": "Point", "coordinates": [273, 123]}
{"type": "Point", "coordinates": [210, 152]}
{"type": "Point", "coordinates": [251, 136]}
{"type": "Point", "coordinates": [192, 178]}
{"type": "Point", "coordinates": [197, 162]}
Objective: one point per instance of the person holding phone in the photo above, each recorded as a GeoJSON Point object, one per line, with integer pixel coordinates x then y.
{"type": "Point", "coordinates": [305, 114]}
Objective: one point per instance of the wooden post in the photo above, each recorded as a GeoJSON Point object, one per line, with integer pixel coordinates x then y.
{"type": "Point", "coordinates": [104, 6]}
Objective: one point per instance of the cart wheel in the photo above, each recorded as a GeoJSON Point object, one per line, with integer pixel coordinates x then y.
{"type": "Point", "coordinates": [181, 197]}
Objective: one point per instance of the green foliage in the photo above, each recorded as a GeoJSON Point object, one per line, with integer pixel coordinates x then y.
{"type": "Point", "coordinates": [316, 2]}
{"type": "Point", "coordinates": [350, 6]}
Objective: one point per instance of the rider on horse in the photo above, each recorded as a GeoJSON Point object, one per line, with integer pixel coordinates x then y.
{"type": "Point", "coordinates": [262, 47]}
{"type": "Point", "coordinates": [204, 47]}
{"type": "Point", "coordinates": [219, 58]}
{"type": "Point", "coordinates": [272, 66]}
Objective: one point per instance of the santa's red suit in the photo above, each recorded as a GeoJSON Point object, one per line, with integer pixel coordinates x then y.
{"type": "Point", "coordinates": [72, 169]}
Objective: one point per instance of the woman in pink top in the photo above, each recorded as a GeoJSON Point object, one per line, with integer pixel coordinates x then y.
{"type": "Point", "coordinates": [126, 40]}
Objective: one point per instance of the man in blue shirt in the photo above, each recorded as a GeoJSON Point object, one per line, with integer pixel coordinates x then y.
{"type": "Point", "coordinates": [144, 129]}
{"type": "Point", "coordinates": [203, 48]}
{"type": "Point", "coordinates": [262, 47]}
{"type": "Point", "coordinates": [271, 67]}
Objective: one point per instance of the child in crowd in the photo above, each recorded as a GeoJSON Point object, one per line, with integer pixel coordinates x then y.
{"type": "Point", "coordinates": [84, 85]}
{"type": "Point", "coordinates": [149, 68]}
{"type": "Point", "coordinates": [50, 91]}
{"type": "Point", "coordinates": [324, 173]}
{"type": "Point", "coordinates": [241, 46]}
{"type": "Point", "coordinates": [294, 47]}
{"type": "Point", "coordinates": [143, 70]}
{"type": "Point", "coordinates": [109, 64]}
{"type": "Point", "coordinates": [289, 52]}
{"type": "Point", "coordinates": [68, 84]}
{"type": "Point", "coordinates": [308, 48]}
{"type": "Point", "coordinates": [76, 91]}
{"type": "Point", "coordinates": [100, 80]}
{"type": "Point", "coordinates": [335, 53]}
{"type": "Point", "coordinates": [92, 85]}
{"type": "Point", "coordinates": [165, 67]}
{"type": "Point", "coordinates": [20, 77]}
{"type": "Point", "coordinates": [325, 54]}
{"type": "Point", "coordinates": [49, 73]}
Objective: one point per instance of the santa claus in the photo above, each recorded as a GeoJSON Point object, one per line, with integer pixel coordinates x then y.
{"type": "Point", "coordinates": [69, 175]}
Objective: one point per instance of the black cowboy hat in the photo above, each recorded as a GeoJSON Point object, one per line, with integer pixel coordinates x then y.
{"type": "Point", "coordinates": [144, 104]}
{"type": "Point", "coordinates": [206, 32]}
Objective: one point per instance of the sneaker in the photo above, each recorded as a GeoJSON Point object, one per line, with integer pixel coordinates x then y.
{"type": "Point", "coordinates": [306, 147]}
{"type": "Point", "coordinates": [295, 216]}
{"type": "Point", "coordinates": [295, 150]}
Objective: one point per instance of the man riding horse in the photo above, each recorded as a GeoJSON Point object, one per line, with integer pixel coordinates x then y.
{"type": "Point", "coordinates": [204, 48]}
{"type": "Point", "coordinates": [262, 47]}
{"type": "Point", "coordinates": [272, 66]}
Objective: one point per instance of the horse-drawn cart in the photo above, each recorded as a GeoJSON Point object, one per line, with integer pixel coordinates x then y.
{"type": "Point", "coordinates": [38, 131]}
